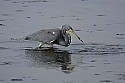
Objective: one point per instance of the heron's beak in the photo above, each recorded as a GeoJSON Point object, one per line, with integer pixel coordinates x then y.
{"type": "Point", "coordinates": [72, 32]}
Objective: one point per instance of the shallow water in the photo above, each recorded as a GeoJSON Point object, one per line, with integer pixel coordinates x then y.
{"type": "Point", "coordinates": [76, 63]}
{"type": "Point", "coordinates": [100, 59]}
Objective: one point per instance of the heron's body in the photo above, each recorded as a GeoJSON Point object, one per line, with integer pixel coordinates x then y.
{"type": "Point", "coordinates": [52, 36]}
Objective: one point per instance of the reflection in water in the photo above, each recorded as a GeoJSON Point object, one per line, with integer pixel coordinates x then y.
{"type": "Point", "coordinates": [53, 58]}
{"type": "Point", "coordinates": [50, 58]}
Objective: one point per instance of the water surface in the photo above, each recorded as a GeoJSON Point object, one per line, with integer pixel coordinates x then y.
{"type": "Point", "coordinates": [100, 59]}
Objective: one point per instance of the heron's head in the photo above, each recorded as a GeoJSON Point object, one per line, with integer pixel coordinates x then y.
{"type": "Point", "coordinates": [68, 29]}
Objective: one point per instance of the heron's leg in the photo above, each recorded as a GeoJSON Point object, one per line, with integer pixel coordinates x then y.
{"type": "Point", "coordinates": [40, 45]}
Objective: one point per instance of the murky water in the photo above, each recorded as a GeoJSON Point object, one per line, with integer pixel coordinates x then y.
{"type": "Point", "coordinates": [101, 59]}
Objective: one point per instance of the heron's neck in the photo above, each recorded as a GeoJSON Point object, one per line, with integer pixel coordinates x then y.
{"type": "Point", "coordinates": [66, 37]}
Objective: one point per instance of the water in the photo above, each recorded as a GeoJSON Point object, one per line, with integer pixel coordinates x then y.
{"type": "Point", "coordinates": [100, 59]}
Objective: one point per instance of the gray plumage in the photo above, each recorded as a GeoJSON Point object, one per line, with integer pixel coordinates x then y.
{"type": "Point", "coordinates": [52, 36]}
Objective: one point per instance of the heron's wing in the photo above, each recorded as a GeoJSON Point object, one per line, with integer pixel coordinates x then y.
{"type": "Point", "coordinates": [45, 35]}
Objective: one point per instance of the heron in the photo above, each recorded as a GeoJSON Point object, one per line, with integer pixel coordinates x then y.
{"type": "Point", "coordinates": [53, 36]}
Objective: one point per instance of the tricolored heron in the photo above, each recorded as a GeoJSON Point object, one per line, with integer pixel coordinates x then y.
{"type": "Point", "coordinates": [53, 36]}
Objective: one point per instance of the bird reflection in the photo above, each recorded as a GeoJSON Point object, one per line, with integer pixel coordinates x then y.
{"type": "Point", "coordinates": [50, 58]}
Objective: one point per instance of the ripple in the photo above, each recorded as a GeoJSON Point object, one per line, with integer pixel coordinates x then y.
{"type": "Point", "coordinates": [5, 63]}
{"type": "Point", "coordinates": [3, 48]}
{"type": "Point", "coordinates": [77, 48]}
{"type": "Point", "coordinates": [105, 81]}
{"type": "Point", "coordinates": [98, 49]}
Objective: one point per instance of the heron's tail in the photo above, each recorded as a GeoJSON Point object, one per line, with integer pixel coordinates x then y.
{"type": "Point", "coordinates": [20, 39]}
{"type": "Point", "coordinates": [27, 38]}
